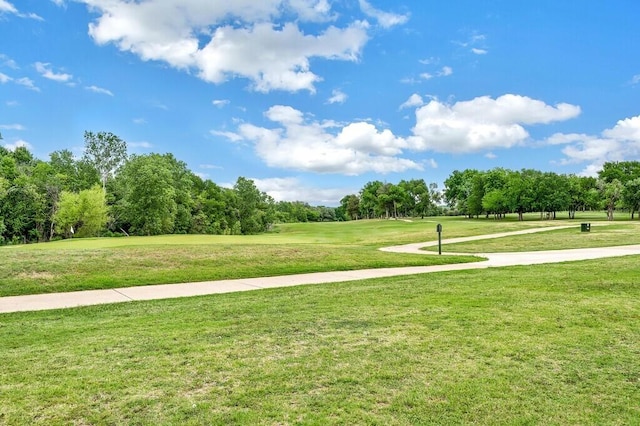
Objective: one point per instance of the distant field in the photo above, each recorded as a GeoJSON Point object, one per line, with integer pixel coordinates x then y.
{"type": "Point", "coordinates": [549, 344]}
{"type": "Point", "coordinates": [98, 263]}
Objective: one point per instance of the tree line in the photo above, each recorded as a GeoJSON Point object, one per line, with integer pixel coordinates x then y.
{"type": "Point", "coordinates": [499, 191]}
{"type": "Point", "coordinates": [107, 192]}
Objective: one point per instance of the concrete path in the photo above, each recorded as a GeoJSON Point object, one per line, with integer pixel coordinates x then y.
{"type": "Point", "coordinates": [165, 291]}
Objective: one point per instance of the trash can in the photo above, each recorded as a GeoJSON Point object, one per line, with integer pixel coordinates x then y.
{"type": "Point", "coordinates": [585, 227]}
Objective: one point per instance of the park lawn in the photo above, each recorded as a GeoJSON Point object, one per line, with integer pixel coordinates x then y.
{"type": "Point", "coordinates": [605, 234]}
{"type": "Point", "coordinates": [548, 344]}
{"type": "Point", "coordinates": [100, 263]}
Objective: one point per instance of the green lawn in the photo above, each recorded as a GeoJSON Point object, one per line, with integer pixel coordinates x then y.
{"type": "Point", "coordinates": [98, 263]}
{"type": "Point", "coordinates": [549, 344]}
{"type": "Point", "coordinates": [602, 234]}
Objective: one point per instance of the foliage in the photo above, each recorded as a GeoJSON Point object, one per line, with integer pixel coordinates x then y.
{"type": "Point", "coordinates": [105, 151]}
{"type": "Point", "coordinates": [83, 214]}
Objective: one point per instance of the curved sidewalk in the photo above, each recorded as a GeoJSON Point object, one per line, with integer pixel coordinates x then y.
{"type": "Point", "coordinates": [165, 291]}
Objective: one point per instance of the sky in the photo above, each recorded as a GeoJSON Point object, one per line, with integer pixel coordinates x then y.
{"type": "Point", "coordinates": [312, 99]}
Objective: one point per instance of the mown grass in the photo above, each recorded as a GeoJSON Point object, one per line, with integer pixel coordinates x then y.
{"type": "Point", "coordinates": [99, 263]}
{"type": "Point", "coordinates": [46, 271]}
{"type": "Point", "coordinates": [551, 344]}
{"type": "Point", "coordinates": [601, 235]}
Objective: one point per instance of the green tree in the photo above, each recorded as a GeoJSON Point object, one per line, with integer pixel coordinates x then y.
{"type": "Point", "coordinates": [369, 199]}
{"type": "Point", "coordinates": [351, 205]}
{"type": "Point", "coordinates": [631, 196]}
{"type": "Point", "coordinates": [106, 152]}
{"type": "Point", "coordinates": [146, 196]}
{"type": "Point", "coordinates": [82, 214]}
{"type": "Point", "coordinates": [611, 193]}
{"type": "Point", "coordinates": [255, 208]}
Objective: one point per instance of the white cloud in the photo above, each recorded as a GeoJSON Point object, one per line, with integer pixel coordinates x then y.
{"type": "Point", "coordinates": [324, 147]}
{"type": "Point", "coordinates": [8, 62]}
{"type": "Point", "coordinates": [100, 90]}
{"type": "Point", "coordinates": [18, 144]}
{"type": "Point", "coordinates": [45, 70]}
{"type": "Point", "coordinates": [619, 143]}
{"type": "Point", "coordinates": [233, 137]}
{"type": "Point", "coordinates": [490, 155]}
{"type": "Point", "coordinates": [6, 7]}
{"type": "Point", "coordinates": [635, 79]}
{"type": "Point", "coordinates": [414, 100]}
{"type": "Point", "coordinates": [385, 19]}
{"type": "Point", "coordinates": [445, 72]}
{"type": "Point", "coordinates": [225, 40]}
{"type": "Point", "coordinates": [482, 123]}
{"type": "Point", "coordinates": [220, 102]}
{"type": "Point", "coordinates": [429, 61]}
{"type": "Point", "coordinates": [12, 127]}
{"type": "Point", "coordinates": [141, 144]}
{"type": "Point", "coordinates": [4, 78]}
{"type": "Point", "coordinates": [209, 167]}
{"type": "Point", "coordinates": [139, 121]}
{"type": "Point", "coordinates": [292, 189]}
{"type": "Point", "coordinates": [27, 82]}
{"type": "Point", "coordinates": [337, 97]}
{"type": "Point", "coordinates": [475, 43]}
{"type": "Point", "coordinates": [12, 103]}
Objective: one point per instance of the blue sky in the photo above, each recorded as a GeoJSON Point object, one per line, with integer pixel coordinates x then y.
{"type": "Point", "coordinates": [313, 98]}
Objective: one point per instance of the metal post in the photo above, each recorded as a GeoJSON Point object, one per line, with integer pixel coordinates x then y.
{"type": "Point", "coordinates": [439, 230]}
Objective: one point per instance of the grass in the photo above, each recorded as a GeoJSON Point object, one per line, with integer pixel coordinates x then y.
{"type": "Point", "coordinates": [601, 235]}
{"type": "Point", "coordinates": [100, 263]}
{"type": "Point", "coordinates": [550, 344]}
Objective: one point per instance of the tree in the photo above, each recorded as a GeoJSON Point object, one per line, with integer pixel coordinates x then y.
{"type": "Point", "coordinates": [351, 205]}
{"type": "Point", "coordinates": [369, 199]}
{"type": "Point", "coordinates": [106, 152]}
{"type": "Point", "coordinates": [83, 214]}
{"type": "Point", "coordinates": [147, 198]}
{"type": "Point", "coordinates": [611, 193]}
{"type": "Point", "coordinates": [631, 196]}
{"type": "Point", "coordinates": [255, 208]}
{"type": "Point", "coordinates": [519, 192]}
{"type": "Point", "coordinates": [74, 175]}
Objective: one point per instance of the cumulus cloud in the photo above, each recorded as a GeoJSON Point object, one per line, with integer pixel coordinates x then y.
{"type": "Point", "coordinates": [293, 189]}
{"type": "Point", "coordinates": [337, 97]}
{"type": "Point", "coordinates": [298, 143]}
{"type": "Point", "coordinates": [385, 19]}
{"type": "Point", "coordinates": [621, 142]}
{"type": "Point", "coordinates": [45, 70]}
{"type": "Point", "coordinates": [478, 51]}
{"type": "Point", "coordinates": [225, 40]}
{"type": "Point", "coordinates": [18, 144]}
{"type": "Point", "coordinates": [100, 90]}
{"type": "Point", "coordinates": [414, 100]}
{"type": "Point", "coordinates": [482, 123]}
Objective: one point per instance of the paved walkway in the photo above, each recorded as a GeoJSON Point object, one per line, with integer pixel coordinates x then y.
{"type": "Point", "coordinates": [165, 291]}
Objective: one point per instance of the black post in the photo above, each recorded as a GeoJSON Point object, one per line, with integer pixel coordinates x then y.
{"type": "Point", "coordinates": [439, 229]}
